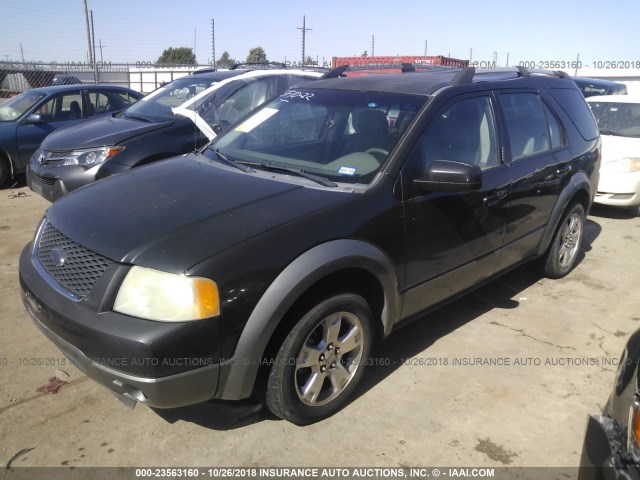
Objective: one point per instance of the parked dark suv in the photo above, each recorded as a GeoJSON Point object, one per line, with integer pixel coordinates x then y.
{"type": "Point", "coordinates": [270, 261]}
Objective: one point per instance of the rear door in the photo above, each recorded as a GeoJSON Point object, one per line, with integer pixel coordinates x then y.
{"type": "Point", "coordinates": [539, 159]}
{"type": "Point", "coordinates": [453, 237]}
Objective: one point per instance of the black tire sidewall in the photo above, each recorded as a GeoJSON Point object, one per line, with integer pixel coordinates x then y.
{"type": "Point", "coordinates": [281, 396]}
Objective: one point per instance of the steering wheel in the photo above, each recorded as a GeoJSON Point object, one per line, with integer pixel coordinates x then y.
{"type": "Point", "coordinates": [379, 154]}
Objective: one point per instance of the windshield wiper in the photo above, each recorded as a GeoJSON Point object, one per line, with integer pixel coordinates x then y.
{"type": "Point", "coordinates": [301, 173]}
{"type": "Point", "coordinates": [233, 163]}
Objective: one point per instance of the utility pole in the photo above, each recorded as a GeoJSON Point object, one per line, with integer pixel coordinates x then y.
{"type": "Point", "coordinates": [507, 60]}
{"type": "Point", "coordinates": [425, 48]}
{"type": "Point", "coordinates": [21, 52]}
{"type": "Point", "coordinates": [373, 45]}
{"type": "Point", "coordinates": [304, 34]}
{"type": "Point", "coordinates": [93, 40]}
{"type": "Point", "coordinates": [213, 41]}
{"type": "Point", "coordinates": [86, 16]}
{"type": "Point", "coordinates": [575, 72]}
{"type": "Point", "coordinates": [101, 47]}
{"type": "Point", "coordinates": [470, 55]}
{"type": "Point", "coordinates": [495, 59]}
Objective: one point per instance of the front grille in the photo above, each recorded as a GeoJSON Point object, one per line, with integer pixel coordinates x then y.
{"type": "Point", "coordinates": [45, 180]}
{"type": "Point", "coordinates": [74, 267]}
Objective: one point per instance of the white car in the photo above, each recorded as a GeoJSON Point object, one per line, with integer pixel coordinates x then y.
{"type": "Point", "coordinates": [226, 102]}
{"type": "Point", "coordinates": [618, 118]}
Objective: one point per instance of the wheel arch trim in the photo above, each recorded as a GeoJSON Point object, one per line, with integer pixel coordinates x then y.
{"type": "Point", "coordinates": [239, 373]}
{"type": "Point", "coordinates": [578, 183]}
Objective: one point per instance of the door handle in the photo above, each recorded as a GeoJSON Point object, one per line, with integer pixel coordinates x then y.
{"type": "Point", "coordinates": [495, 197]}
{"type": "Point", "coordinates": [563, 170]}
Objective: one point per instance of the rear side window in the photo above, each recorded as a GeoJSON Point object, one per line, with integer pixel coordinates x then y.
{"type": "Point", "coordinates": [557, 138]}
{"type": "Point", "coordinates": [526, 124]}
{"type": "Point", "coordinates": [573, 103]}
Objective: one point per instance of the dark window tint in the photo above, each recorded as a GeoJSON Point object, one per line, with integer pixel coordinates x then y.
{"type": "Point", "coordinates": [573, 103]}
{"type": "Point", "coordinates": [526, 124]}
{"type": "Point", "coordinates": [463, 132]}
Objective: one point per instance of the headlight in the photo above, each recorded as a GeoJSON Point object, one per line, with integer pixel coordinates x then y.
{"type": "Point", "coordinates": [624, 165]}
{"type": "Point", "coordinates": [167, 297]}
{"type": "Point", "coordinates": [84, 158]}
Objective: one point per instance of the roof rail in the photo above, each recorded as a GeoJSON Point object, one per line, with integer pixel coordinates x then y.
{"type": "Point", "coordinates": [336, 72]}
{"type": "Point", "coordinates": [463, 76]}
{"type": "Point", "coordinates": [259, 64]}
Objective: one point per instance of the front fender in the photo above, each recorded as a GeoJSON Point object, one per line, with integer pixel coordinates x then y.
{"type": "Point", "coordinates": [238, 374]}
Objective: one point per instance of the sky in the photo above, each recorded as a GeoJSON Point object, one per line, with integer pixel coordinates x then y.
{"type": "Point", "coordinates": [139, 30]}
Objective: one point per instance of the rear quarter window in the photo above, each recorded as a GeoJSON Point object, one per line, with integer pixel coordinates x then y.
{"type": "Point", "coordinates": [574, 105]}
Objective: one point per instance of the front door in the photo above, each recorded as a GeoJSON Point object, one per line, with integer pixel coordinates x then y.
{"type": "Point", "coordinates": [453, 237]}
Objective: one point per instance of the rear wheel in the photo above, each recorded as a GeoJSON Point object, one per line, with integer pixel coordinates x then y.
{"type": "Point", "coordinates": [563, 252]}
{"type": "Point", "coordinates": [321, 360]}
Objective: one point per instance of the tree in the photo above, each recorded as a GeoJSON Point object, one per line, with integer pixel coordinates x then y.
{"type": "Point", "coordinates": [365, 54]}
{"type": "Point", "coordinates": [177, 56]}
{"type": "Point", "coordinates": [257, 55]}
{"type": "Point", "coordinates": [225, 61]}
{"type": "Point", "coordinates": [310, 61]}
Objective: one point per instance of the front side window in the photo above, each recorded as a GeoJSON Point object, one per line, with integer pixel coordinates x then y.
{"type": "Point", "coordinates": [526, 124]}
{"type": "Point", "coordinates": [340, 135]}
{"type": "Point", "coordinates": [66, 106]}
{"type": "Point", "coordinates": [463, 132]}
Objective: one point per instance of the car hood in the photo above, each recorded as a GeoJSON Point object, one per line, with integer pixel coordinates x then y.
{"type": "Point", "coordinates": [108, 130]}
{"type": "Point", "coordinates": [615, 148]}
{"type": "Point", "coordinates": [172, 214]}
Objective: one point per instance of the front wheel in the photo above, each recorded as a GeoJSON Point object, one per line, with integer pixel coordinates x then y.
{"type": "Point", "coordinates": [321, 360]}
{"type": "Point", "coordinates": [563, 252]}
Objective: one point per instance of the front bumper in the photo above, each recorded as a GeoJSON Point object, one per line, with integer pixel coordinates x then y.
{"type": "Point", "coordinates": [164, 365]}
{"type": "Point", "coordinates": [602, 456]}
{"type": "Point", "coordinates": [619, 189]}
{"type": "Point", "coordinates": [53, 182]}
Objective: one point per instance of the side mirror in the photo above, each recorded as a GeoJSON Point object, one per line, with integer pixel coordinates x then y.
{"type": "Point", "coordinates": [450, 176]}
{"type": "Point", "coordinates": [34, 118]}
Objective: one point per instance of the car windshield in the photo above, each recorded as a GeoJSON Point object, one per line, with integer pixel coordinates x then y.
{"type": "Point", "coordinates": [18, 105]}
{"type": "Point", "coordinates": [158, 103]}
{"type": "Point", "coordinates": [620, 119]}
{"type": "Point", "coordinates": [344, 136]}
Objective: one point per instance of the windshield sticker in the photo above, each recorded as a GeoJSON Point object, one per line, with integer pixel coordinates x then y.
{"type": "Point", "coordinates": [256, 120]}
{"type": "Point", "coordinates": [291, 94]}
{"type": "Point", "coordinates": [347, 171]}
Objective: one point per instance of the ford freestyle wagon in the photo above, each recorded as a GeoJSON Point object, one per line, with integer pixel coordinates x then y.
{"type": "Point", "coordinates": [270, 261]}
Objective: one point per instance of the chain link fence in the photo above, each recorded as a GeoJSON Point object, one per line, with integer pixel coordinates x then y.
{"type": "Point", "coordinates": [144, 77]}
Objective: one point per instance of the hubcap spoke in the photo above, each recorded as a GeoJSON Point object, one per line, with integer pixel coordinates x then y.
{"type": "Point", "coordinates": [351, 341]}
{"type": "Point", "coordinates": [309, 356]}
{"type": "Point", "coordinates": [313, 387]}
{"type": "Point", "coordinates": [331, 328]}
{"type": "Point", "coordinates": [339, 377]}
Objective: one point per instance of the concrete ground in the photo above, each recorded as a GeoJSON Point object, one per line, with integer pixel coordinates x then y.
{"type": "Point", "coordinates": [504, 376]}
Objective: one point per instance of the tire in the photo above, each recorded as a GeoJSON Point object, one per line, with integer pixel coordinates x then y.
{"type": "Point", "coordinates": [563, 252]}
{"type": "Point", "coordinates": [4, 171]}
{"type": "Point", "coordinates": [321, 360]}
